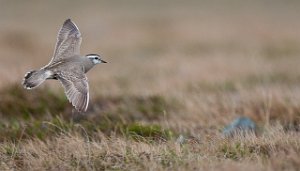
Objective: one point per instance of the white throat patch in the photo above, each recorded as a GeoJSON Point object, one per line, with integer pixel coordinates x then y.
{"type": "Point", "coordinates": [96, 61]}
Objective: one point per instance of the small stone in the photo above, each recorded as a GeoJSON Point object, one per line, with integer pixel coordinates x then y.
{"type": "Point", "coordinates": [180, 140]}
{"type": "Point", "coordinates": [240, 126]}
{"type": "Point", "coordinates": [187, 140]}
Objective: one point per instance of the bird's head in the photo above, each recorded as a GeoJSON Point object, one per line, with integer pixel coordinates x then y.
{"type": "Point", "coordinates": [96, 59]}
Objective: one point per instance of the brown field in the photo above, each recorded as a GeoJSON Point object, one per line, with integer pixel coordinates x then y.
{"type": "Point", "coordinates": [176, 68]}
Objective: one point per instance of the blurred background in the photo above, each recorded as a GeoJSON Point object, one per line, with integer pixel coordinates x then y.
{"type": "Point", "coordinates": [178, 73]}
{"type": "Point", "coordinates": [157, 46]}
{"type": "Point", "coordinates": [214, 59]}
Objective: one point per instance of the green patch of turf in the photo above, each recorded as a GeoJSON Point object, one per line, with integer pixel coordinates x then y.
{"type": "Point", "coordinates": [140, 132]}
{"type": "Point", "coordinates": [17, 102]}
{"type": "Point", "coordinates": [16, 129]}
{"type": "Point", "coordinates": [133, 108]}
{"type": "Point", "coordinates": [42, 113]}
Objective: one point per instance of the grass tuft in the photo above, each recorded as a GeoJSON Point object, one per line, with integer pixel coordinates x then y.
{"type": "Point", "coordinates": [153, 132]}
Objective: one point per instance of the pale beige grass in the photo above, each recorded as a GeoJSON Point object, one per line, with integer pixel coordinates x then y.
{"type": "Point", "coordinates": [75, 152]}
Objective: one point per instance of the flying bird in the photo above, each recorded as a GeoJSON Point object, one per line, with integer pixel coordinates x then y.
{"type": "Point", "coordinates": [67, 66]}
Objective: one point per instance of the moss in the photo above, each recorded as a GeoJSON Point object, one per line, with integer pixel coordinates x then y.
{"type": "Point", "coordinates": [133, 108]}
{"type": "Point", "coordinates": [16, 101]}
{"type": "Point", "coordinates": [42, 113]}
{"type": "Point", "coordinates": [140, 132]}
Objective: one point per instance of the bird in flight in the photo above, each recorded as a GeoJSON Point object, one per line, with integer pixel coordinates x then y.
{"type": "Point", "coordinates": [67, 66]}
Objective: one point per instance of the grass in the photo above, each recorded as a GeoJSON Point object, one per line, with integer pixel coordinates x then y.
{"type": "Point", "coordinates": [24, 120]}
{"type": "Point", "coordinates": [178, 73]}
{"type": "Point", "coordinates": [127, 141]}
{"type": "Point", "coordinates": [75, 151]}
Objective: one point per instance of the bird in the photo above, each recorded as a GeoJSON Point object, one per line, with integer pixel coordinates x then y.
{"type": "Point", "coordinates": [67, 66]}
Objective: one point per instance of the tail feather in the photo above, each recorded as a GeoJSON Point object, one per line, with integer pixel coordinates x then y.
{"type": "Point", "coordinates": [34, 78]}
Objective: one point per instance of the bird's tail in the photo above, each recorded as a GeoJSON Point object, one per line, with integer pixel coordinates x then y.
{"type": "Point", "coordinates": [34, 78]}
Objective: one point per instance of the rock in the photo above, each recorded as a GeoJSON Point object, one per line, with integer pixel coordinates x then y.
{"type": "Point", "coordinates": [187, 140]}
{"type": "Point", "coordinates": [181, 139]}
{"type": "Point", "coordinates": [240, 126]}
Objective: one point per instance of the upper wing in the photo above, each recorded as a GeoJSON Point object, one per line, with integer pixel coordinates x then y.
{"type": "Point", "coordinates": [76, 88]}
{"type": "Point", "coordinates": [68, 42]}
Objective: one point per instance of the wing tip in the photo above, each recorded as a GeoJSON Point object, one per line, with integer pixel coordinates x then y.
{"type": "Point", "coordinates": [81, 109]}
{"type": "Point", "coordinates": [71, 25]}
{"type": "Point", "coordinates": [82, 105]}
{"type": "Point", "coordinates": [68, 20]}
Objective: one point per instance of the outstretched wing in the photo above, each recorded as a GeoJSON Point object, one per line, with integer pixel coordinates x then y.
{"type": "Point", "coordinates": [68, 42]}
{"type": "Point", "coordinates": [76, 88]}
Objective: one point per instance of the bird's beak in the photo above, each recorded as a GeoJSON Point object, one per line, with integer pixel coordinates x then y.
{"type": "Point", "coordinates": [103, 61]}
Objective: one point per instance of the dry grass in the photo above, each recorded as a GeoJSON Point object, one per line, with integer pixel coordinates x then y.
{"type": "Point", "coordinates": [175, 69]}
{"type": "Point", "coordinates": [275, 149]}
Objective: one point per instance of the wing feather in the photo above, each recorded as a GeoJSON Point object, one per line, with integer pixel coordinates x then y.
{"type": "Point", "coordinates": [76, 89]}
{"type": "Point", "coordinates": [68, 42]}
